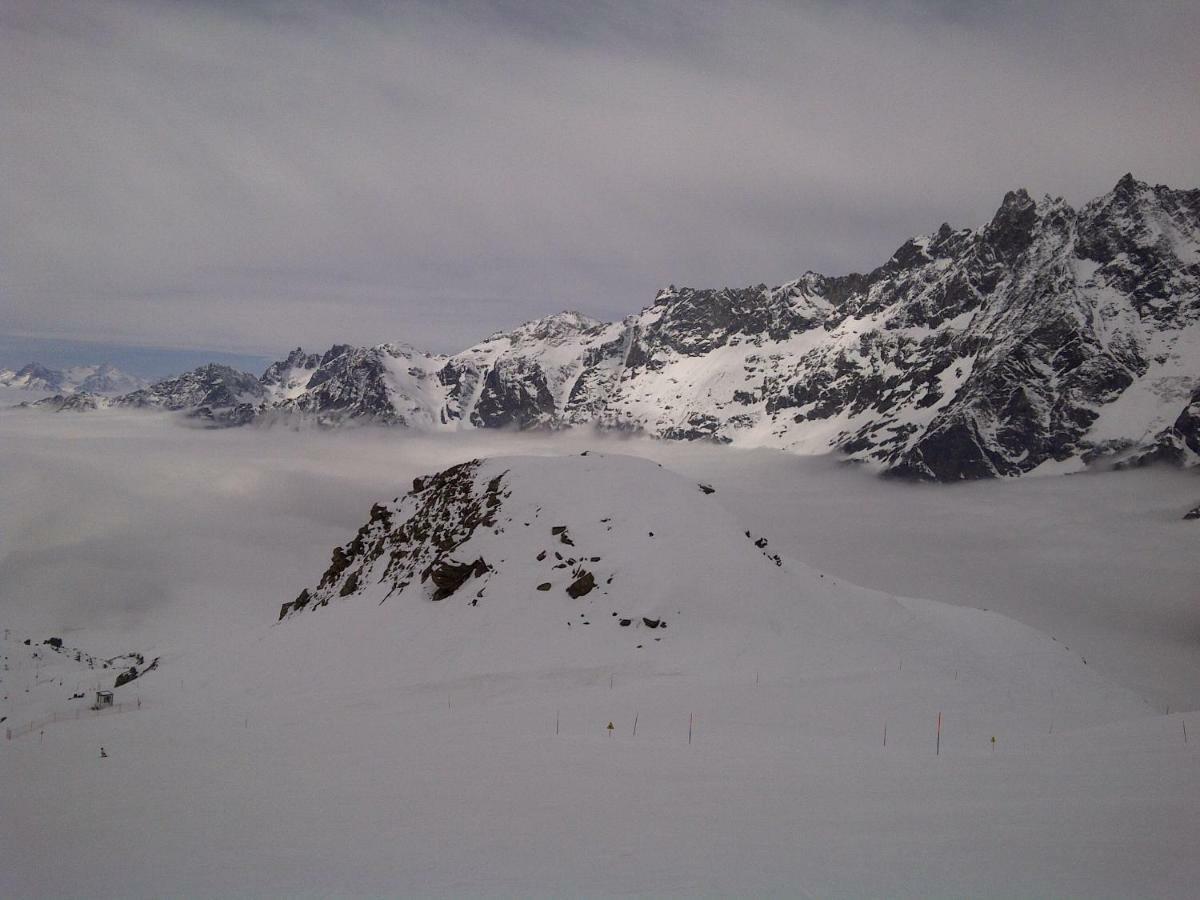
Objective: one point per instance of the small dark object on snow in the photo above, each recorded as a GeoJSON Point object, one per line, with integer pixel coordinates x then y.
{"type": "Point", "coordinates": [418, 485]}
{"type": "Point", "coordinates": [566, 539]}
{"type": "Point", "coordinates": [760, 543]}
{"type": "Point", "coordinates": [103, 755]}
{"type": "Point", "coordinates": [558, 529]}
{"type": "Point", "coordinates": [541, 556]}
{"type": "Point", "coordinates": [625, 623]}
{"type": "Point", "coordinates": [652, 623]}
{"type": "Point", "coordinates": [707, 488]}
{"type": "Point", "coordinates": [544, 586]}
{"type": "Point", "coordinates": [54, 642]}
{"type": "Point", "coordinates": [1193, 513]}
{"type": "Point", "coordinates": [581, 585]}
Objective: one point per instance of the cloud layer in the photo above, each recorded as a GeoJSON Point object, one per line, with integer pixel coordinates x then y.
{"type": "Point", "coordinates": [256, 176]}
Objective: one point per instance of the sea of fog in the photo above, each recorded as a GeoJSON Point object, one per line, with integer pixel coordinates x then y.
{"type": "Point", "coordinates": [131, 525]}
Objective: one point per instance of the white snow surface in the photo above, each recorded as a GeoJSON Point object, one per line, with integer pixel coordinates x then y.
{"type": "Point", "coordinates": [413, 748]}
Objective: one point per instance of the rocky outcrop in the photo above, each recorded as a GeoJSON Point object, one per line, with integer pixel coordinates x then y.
{"type": "Point", "coordinates": [413, 540]}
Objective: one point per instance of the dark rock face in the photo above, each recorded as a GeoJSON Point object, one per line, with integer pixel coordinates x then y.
{"type": "Point", "coordinates": [347, 383]}
{"type": "Point", "coordinates": [514, 395]}
{"type": "Point", "coordinates": [449, 576]}
{"type": "Point", "coordinates": [414, 541]}
{"type": "Point", "coordinates": [967, 354]}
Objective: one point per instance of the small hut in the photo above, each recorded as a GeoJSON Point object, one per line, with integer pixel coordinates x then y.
{"type": "Point", "coordinates": [103, 699]}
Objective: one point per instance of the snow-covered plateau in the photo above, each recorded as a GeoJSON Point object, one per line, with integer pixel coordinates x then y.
{"type": "Point", "coordinates": [384, 662]}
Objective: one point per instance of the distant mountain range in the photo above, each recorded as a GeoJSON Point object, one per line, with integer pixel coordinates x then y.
{"type": "Point", "coordinates": [1046, 340]}
{"type": "Point", "coordinates": [101, 379]}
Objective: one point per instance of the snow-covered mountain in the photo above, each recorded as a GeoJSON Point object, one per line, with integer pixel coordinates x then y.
{"type": "Point", "coordinates": [595, 559]}
{"type": "Point", "coordinates": [215, 392]}
{"type": "Point", "coordinates": [101, 379]}
{"type": "Point", "coordinates": [80, 401]}
{"type": "Point", "coordinates": [1045, 340]}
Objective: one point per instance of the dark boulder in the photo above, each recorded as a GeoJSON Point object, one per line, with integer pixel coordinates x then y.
{"type": "Point", "coordinates": [449, 576]}
{"type": "Point", "coordinates": [583, 584]}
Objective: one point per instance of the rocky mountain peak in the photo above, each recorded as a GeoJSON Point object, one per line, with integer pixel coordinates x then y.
{"type": "Point", "coordinates": [553, 328]}
{"type": "Point", "coordinates": [1049, 337]}
{"type": "Point", "coordinates": [1011, 230]}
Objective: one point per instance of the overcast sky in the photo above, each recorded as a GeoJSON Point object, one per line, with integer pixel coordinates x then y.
{"type": "Point", "coordinates": [252, 176]}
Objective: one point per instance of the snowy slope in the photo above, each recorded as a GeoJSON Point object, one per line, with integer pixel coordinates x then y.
{"type": "Point", "coordinates": [455, 747]}
{"type": "Point", "coordinates": [460, 746]}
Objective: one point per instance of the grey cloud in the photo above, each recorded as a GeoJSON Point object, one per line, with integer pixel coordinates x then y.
{"type": "Point", "coordinates": [252, 176]}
